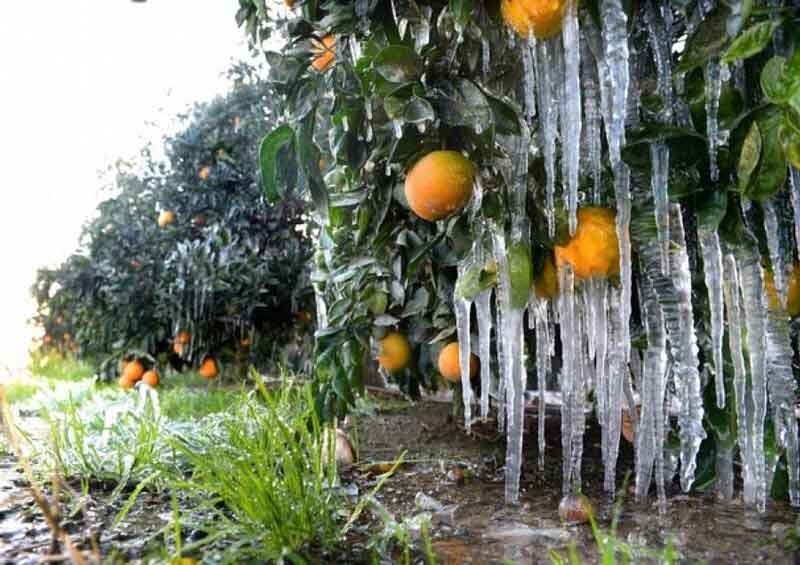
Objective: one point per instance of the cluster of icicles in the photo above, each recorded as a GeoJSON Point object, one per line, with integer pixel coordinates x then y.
{"type": "Point", "coordinates": [578, 86]}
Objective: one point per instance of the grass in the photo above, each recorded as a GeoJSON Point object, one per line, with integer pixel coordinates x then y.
{"type": "Point", "coordinates": [262, 475]}
{"type": "Point", "coordinates": [55, 366]}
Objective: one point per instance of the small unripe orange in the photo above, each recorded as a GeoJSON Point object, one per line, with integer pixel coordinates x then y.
{"type": "Point", "coordinates": [151, 378]}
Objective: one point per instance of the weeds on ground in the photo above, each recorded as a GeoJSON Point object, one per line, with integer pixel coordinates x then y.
{"type": "Point", "coordinates": [261, 479]}
{"type": "Point", "coordinates": [401, 535]}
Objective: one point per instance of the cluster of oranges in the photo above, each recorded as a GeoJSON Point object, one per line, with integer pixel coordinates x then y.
{"type": "Point", "coordinates": [133, 371]}
{"type": "Point", "coordinates": [395, 355]}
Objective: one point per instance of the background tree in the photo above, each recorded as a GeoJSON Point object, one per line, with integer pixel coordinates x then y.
{"type": "Point", "coordinates": [188, 244]}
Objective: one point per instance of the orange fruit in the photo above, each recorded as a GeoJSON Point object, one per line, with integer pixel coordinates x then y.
{"type": "Point", "coordinates": [67, 337]}
{"type": "Point", "coordinates": [133, 371]}
{"type": "Point", "coordinates": [542, 18]}
{"type": "Point", "coordinates": [244, 342]}
{"type": "Point", "coordinates": [151, 378]}
{"type": "Point", "coordinates": [126, 383]}
{"type": "Point", "coordinates": [449, 365]}
{"type": "Point", "coordinates": [439, 184]}
{"type": "Point", "coordinates": [208, 368]}
{"type": "Point", "coordinates": [793, 292]}
{"type": "Point", "coordinates": [324, 52]}
{"type": "Point", "coordinates": [395, 352]}
{"type": "Point", "coordinates": [165, 218]}
{"type": "Point", "coordinates": [594, 249]}
{"type": "Point", "coordinates": [546, 284]}
{"type": "Point", "coordinates": [183, 337]}
{"type": "Point", "coordinates": [47, 339]}
{"type": "Point", "coordinates": [199, 220]}
{"type": "Point", "coordinates": [204, 173]}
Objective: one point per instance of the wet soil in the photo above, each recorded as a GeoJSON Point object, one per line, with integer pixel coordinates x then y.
{"type": "Point", "coordinates": [475, 525]}
{"type": "Point", "coordinates": [485, 530]}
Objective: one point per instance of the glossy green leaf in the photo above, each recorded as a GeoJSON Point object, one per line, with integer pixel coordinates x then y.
{"type": "Point", "coordinates": [268, 154]}
{"type": "Point", "coordinates": [751, 41]}
{"type": "Point", "coordinates": [397, 63]}
{"type": "Point", "coordinates": [772, 170]}
{"type": "Point", "coordinates": [711, 208]}
{"type": "Point", "coordinates": [708, 40]}
{"type": "Point", "coordinates": [520, 268]}
{"type": "Point", "coordinates": [461, 103]}
{"type": "Point", "coordinates": [749, 157]}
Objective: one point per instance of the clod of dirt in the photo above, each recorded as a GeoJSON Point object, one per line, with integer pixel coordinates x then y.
{"type": "Point", "coordinates": [575, 509]}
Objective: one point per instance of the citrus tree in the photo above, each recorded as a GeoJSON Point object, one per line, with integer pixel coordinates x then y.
{"type": "Point", "coordinates": [185, 259]}
{"type": "Point", "coordinates": [622, 172]}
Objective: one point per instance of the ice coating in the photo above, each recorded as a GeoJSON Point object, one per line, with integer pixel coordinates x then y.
{"type": "Point", "coordinates": [712, 271]}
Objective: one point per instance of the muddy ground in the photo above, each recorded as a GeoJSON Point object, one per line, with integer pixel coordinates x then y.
{"type": "Point", "coordinates": [476, 526]}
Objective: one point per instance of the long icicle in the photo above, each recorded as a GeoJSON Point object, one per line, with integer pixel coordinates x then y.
{"type": "Point", "coordinates": [712, 271]}
{"type": "Point", "coordinates": [571, 119]}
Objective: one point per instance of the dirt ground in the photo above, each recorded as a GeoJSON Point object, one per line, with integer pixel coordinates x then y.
{"type": "Point", "coordinates": [475, 525]}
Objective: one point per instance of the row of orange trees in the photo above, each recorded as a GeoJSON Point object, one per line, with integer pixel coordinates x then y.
{"type": "Point", "coordinates": [372, 87]}
{"type": "Point", "coordinates": [184, 258]}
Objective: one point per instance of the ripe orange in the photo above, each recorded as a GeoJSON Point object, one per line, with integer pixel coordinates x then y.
{"type": "Point", "coordinates": [133, 371]}
{"type": "Point", "coordinates": [151, 378]}
{"type": "Point", "coordinates": [199, 220]}
{"type": "Point", "coordinates": [449, 363]}
{"type": "Point", "coordinates": [324, 52]}
{"type": "Point", "coordinates": [439, 184]}
{"type": "Point", "coordinates": [542, 18]}
{"type": "Point", "coordinates": [395, 352]}
{"type": "Point", "coordinates": [546, 285]}
{"type": "Point", "coordinates": [594, 249]}
{"type": "Point", "coordinates": [208, 368]}
{"type": "Point", "coordinates": [204, 173]}
{"type": "Point", "coordinates": [792, 292]}
{"type": "Point", "coordinates": [165, 218]}
{"type": "Point", "coordinates": [126, 383]}
{"type": "Point", "coordinates": [183, 337]}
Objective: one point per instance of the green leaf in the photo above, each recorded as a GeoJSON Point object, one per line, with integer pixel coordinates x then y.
{"type": "Point", "coordinates": [708, 40]}
{"type": "Point", "coordinates": [462, 11]}
{"type": "Point", "coordinates": [772, 169]}
{"type": "Point", "coordinates": [749, 157]}
{"type": "Point", "coordinates": [520, 270]}
{"type": "Point", "coordinates": [711, 209]}
{"type": "Point", "coordinates": [475, 280]}
{"type": "Point", "coordinates": [751, 41]}
{"type": "Point", "coordinates": [461, 103]}
{"type": "Point", "coordinates": [270, 147]}
{"type": "Point", "coordinates": [308, 159]}
{"type": "Point", "coordinates": [418, 110]}
{"type": "Point", "coordinates": [780, 79]}
{"type": "Point", "coordinates": [397, 63]}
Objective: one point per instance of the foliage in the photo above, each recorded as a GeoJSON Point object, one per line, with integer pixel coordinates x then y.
{"type": "Point", "coordinates": [231, 267]}
{"type": "Point", "coordinates": [410, 77]}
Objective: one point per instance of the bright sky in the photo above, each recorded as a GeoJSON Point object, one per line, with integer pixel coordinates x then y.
{"type": "Point", "coordinates": [79, 79]}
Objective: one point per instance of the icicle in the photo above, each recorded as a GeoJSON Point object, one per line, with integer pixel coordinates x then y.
{"type": "Point", "coordinates": [545, 88]}
{"type": "Point", "coordinates": [724, 467]}
{"type": "Point", "coordinates": [591, 118]}
{"type": "Point", "coordinates": [463, 309]}
{"type": "Point", "coordinates": [615, 35]}
{"type": "Point", "coordinates": [755, 314]}
{"type": "Point", "coordinates": [486, 55]}
{"type": "Point", "coordinates": [322, 309]}
{"type": "Point", "coordinates": [652, 386]}
{"type": "Point", "coordinates": [674, 296]}
{"type": "Point", "coordinates": [570, 381]}
{"type": "Point", "coordinates": [622, 189]}
{"type": "Point", "coordinates": [713, 90]}
{"type": "Point", "coordinates": [712, 271]}
{"type": "Point", "coordinates": [612, 380]}
{"type": "Point", "coordinates": [782, 398]}
{"type": "Point", "coordinates": [659, 181]}
{"type": "Point", "coordinates": [483, 312]}
{"type": "Point", "coordinates": [773, 228]}
{"type": "Point", "coordinates": [539, 312]}
{"type": "Point", "coordinates": [794, 186]}
{"type": "Point", "coordinates": [511, 344]}
{"type": "Point", "coordinates": [529, 79]}
{"type": "Point", "coordinates": [661, 45]}
{"type": "Point", "coordinates": [571, 119]}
